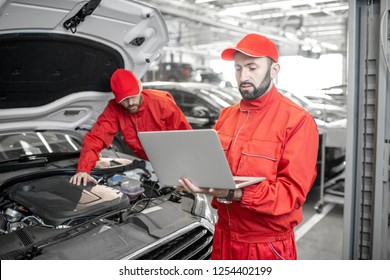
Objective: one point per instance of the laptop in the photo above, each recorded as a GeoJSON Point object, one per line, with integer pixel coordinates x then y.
{"type": "Point", "coordinates": [195, 154]}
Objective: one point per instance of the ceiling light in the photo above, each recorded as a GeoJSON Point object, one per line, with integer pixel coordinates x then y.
{"type": "Point", "coordinates": [266, 16]}
{"type": "Point", "coordinates": [306, 48]}
{"type": "Point", "coordinates": [316, 49]}
{"type": "Point", "coordinates": [336, 8]}
{"type": "Point", "coordinates": [290, 35]}
{"type": "Point", "coordinates": [330, 46]}
{"type": "Point", "coordinates": [203, 1]}
{"type": "Point", "coordinates": [230, 21]}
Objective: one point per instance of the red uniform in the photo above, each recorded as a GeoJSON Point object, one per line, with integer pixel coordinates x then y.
{"type": "Point", "coordinates": [270, 137]}
{"type": "Point", "coordinates": [158, 111]}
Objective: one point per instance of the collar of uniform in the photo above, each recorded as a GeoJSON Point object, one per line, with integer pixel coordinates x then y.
{"type": "Point", "coordinates": [144, 102]}
{"type": "Point", "coordinates": [258, 103]}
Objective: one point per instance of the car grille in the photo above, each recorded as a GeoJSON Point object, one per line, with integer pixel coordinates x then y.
{"type": "Point", "coordinates": [193, 245]}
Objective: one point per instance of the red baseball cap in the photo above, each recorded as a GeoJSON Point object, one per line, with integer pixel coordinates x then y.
{"type": "Point", "coordinates": [124, 84]}
{"type": "Point", "coordinates": [254, 45]}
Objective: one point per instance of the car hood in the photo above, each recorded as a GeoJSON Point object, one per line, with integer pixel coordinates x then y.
{"type": "Point", "coordinates": [57, 57]}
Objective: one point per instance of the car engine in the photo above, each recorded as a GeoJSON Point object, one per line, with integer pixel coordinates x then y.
{"type": "Point", "coordinates": [44, 216]}
{"type": "Point", "coordinates": [54, 202]}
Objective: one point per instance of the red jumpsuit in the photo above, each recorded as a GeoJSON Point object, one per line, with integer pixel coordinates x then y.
{"type": "Point", "coordinates": [270, 137]}
{"type": "Point", "coordinates": [158, 111]}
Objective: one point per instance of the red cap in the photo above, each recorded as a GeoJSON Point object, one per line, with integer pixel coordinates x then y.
{"type": "Point", "coordinates": [124, 84]}
{"type": "Point", "coordinates": [254, 45]}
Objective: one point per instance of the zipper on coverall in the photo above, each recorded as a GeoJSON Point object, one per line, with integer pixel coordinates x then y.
{"type": "Point", "coordinates": [234, 142]}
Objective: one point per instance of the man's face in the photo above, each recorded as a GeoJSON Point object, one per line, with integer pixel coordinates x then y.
{"type": "Point", "coordinates": [132, 103]}
{"type": "Point", "coordinates": [254, 75]}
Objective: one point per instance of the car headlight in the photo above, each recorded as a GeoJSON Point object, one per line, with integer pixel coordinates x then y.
{"type": "Point", "coordinates": [202, 208]}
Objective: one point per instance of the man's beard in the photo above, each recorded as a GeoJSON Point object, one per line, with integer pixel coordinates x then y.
{"type": "Point", "coordinates": [135, 107]}
{"type": "Point", "coordinates": [257, 92]}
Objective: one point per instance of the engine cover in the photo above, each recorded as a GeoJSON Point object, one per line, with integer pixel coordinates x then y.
{"type": "Point", "coordinates": [58, 202]}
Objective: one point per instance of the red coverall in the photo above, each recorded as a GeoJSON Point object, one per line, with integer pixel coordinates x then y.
{"type": "Point", "coordinates": [270, 137]}
{"type": "Point", "coordinates": [158, 111]}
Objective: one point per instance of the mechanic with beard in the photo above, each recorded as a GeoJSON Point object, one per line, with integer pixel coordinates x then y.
{"type": "Point", "coordinates": [134, 109]}
{"type": "Point", "coordinates": [265, 135]}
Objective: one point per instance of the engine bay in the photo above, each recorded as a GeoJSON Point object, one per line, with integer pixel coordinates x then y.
{"type": "Point", "coordinates": [54, 202]}
{"type": "Point", "coordinates": [44, 216]}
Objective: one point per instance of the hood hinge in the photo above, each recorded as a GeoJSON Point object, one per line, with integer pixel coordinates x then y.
{"type": "Point", "coordinates": [86, 10]}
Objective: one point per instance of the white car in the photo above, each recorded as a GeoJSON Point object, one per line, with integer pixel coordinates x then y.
{"type": "Point", "coordinates": [325, 111]}
{"type": "Point", "coordinates": [56, 58]}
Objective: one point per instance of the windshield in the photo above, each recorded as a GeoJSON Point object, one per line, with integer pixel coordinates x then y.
{"type": "Point", "coordinates": [223, 98]}
{"type": "Point", "coordinates": [12, 146]}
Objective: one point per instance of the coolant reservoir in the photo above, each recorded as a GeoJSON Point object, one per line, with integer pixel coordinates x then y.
{"type": "Point", "coordinates": [129, 186]}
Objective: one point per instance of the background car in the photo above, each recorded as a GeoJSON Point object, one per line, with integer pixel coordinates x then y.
{"type": "Point", "coordinates": [327, 115]}
{"type": "Point", "coordinates": [320, 110]}
{"type": "Point", "coordinates": [201, 103]}
{"type": "Point", "coordinates": [320, 97]}
{"type": "Point", "coordinates": [338, 92]}
{"type": "Point", "coordinates": [207, 75]}
{"type": "Point", "coordinates": [54, 83]}
{"type": "Point", "coordinates": [169, 71]}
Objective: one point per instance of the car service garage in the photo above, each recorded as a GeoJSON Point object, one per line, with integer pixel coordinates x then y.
{"type": "Point", "coordinates": [332, 66]}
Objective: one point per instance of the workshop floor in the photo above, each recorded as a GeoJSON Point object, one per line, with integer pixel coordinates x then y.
{"type": "Point", "coordinates": [320, 235]}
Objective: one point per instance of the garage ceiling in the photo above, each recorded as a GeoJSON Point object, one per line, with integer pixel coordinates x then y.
{"type": "Point", "coordinates": [304, 27]}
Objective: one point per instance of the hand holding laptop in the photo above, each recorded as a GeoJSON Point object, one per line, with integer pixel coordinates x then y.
{"type": "Point", "coordinates": [188, 186]}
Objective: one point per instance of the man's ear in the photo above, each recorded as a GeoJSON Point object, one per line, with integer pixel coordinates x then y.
{"type": "Point", "coordinates": [275, 67]}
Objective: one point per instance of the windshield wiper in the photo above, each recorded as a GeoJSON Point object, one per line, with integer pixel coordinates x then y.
{"type": "Point", "coordinates": [51, 157]}
{"type": "Point", "coordinates": [22, 162]}
{"type": "Point", "coordinates": [24, 158]}
{"type": "Point", "coordinates": [38, 160]}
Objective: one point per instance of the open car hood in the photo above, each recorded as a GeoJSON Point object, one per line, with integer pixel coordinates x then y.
{"type": "Point", "coordinates": [57, 57]}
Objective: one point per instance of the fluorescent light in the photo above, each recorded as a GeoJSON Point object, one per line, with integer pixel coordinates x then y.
{"type": "Point", "coordinates": [230, 21]}
{"type": "Point", "coordinates": [329, 46]}
{"type": "Point", "coordinates": [336, 8]}
{"type": "Point", "coordinates": [316, 49]}
{"type": "Point", "coordinates": [266, 16]}
{"type": "Point", "coordinates": [203, 1]}
{"type": "Point", "coordinates": [306, 48]}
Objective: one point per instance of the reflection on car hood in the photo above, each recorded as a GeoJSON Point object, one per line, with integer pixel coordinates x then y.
{"type": "Point", "coordinates": [56, 68]}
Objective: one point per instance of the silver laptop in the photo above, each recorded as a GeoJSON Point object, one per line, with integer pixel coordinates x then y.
{"type": "Point", "coordinates": [194, 154]}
